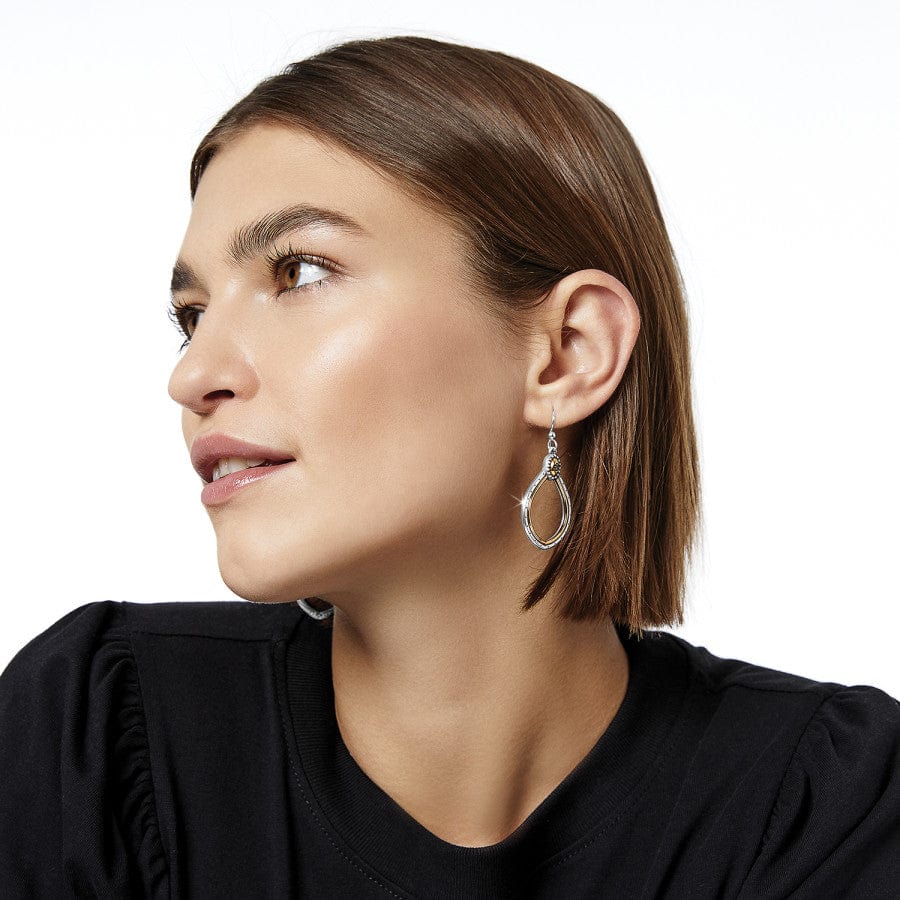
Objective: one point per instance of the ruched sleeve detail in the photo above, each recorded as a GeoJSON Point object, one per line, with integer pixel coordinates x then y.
{"type": "Point", "coordinates": [77, 809]}
{"type": "Point", "coordinates": [834, 829]}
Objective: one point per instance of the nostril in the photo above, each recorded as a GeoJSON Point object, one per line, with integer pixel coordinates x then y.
{"type": "Point", "coordinates": [218, 395]}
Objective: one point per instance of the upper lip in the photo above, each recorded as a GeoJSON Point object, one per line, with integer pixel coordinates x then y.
{"type": "Point", "coordinates": [207, 450]}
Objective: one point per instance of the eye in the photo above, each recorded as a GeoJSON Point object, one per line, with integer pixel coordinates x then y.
{"type": "Point", "coordinates": [300, 271]}
{"type": "Point", "coordinates": [185, 318]}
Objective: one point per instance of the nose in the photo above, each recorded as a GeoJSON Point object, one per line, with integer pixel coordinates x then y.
{"type": "Point", "coordinates": [215, 367]}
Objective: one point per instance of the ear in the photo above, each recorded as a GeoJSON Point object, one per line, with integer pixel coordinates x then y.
{"type": "Point", "coordinates": [583, 337]}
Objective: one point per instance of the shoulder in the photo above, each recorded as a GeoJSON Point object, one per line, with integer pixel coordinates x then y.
{"type": "Point", "coordinates": [90, 627]}
{"type": "Point", "coordinates": [833, 821]}
{"type": "Point", "coordinates": [720, 673]}
{"type": "Point", "coordinates": [833, 723]}
{"type": "Point", "coordinates": [77, 804]}
{"type": "Point", "coordinates": [52, 660]}
{"type": "Point", "coordinates": [83, 665]}
{"type": "Point", "coordinates": [834, 828]}
{"type": "Point", "coordinates": [69, 725]}
{"type": "Point", "coordinates": [743, 690]}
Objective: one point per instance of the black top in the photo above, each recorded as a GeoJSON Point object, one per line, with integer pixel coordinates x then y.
{"type": "Point", "coordinates": [191, 750]}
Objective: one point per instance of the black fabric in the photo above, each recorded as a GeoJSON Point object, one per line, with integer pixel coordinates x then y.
{"type": "Point", "coordinates": [191, 750]}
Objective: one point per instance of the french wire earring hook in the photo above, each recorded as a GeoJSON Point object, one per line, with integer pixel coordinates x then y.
{"type": "Point", "coordinates": [551, 469]}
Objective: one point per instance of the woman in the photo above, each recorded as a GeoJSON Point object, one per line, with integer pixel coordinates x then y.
{"type": "Point", "coordinates": [436, 386]}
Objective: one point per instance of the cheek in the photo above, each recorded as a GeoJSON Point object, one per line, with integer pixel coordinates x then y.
{"type": "Point", "coordinates": [385, 377]}
{"type": "Point", "coordinates": [400, 402]}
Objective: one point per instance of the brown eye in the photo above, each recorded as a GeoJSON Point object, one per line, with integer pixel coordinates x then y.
{"type": "Point", "coordinates": [185, 319]}
{"type": "Point", "coordinates": [190, 319]}
{"type": "Point", "coordinates": [301, 272]}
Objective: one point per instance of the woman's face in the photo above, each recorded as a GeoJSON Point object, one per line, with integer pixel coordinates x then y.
{"type": "Point", "coordinates": [376, 370]}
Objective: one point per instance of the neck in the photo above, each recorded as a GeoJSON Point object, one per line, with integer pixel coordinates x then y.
{"type": "Point", "coordinates": [466, 711]}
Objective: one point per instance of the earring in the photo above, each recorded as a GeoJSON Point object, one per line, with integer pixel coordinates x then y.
{"type": "Point", "coordinates": [552, 469]}
{"type": "Point", "coordinates": [315, 613]}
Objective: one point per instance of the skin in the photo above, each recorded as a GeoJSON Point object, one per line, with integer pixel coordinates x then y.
{"type": "Point", "coordinates": [416, 432]}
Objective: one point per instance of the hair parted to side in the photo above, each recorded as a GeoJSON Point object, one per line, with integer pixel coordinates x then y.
{"type": "Point", "coordinates": [544, 180]}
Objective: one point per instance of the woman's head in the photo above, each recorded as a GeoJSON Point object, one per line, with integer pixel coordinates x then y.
{"type": "Point", "coordinates": [510, 253]}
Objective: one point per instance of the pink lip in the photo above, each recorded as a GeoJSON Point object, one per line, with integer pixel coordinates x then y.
{"type": "Point", "coordinates": [208, 449]}
{"type": "Point", "coordinates": [223, 489]}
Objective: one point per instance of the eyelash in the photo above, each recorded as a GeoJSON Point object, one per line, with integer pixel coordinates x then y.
{"type": "Point", "coordinates": [181, 315]}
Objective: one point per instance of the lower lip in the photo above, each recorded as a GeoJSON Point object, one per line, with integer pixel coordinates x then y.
{"type": "Point", "coordinates": [223, 489]}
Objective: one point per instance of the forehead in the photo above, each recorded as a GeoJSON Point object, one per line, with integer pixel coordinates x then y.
{"type": "Point", "coordinates": [270, 167]}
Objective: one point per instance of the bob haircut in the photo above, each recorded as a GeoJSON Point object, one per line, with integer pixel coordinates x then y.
{"type": "Point", "coordinates": [542, 179]}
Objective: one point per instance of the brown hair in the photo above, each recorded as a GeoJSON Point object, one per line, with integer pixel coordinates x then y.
{"type": "Point", "coordinates": [544, 180]}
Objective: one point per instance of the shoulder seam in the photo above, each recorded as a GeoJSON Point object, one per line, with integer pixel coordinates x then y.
{"type": "Point", "coordinates": [201, 634]}
{"type": "Point", "coordinates": [812, 689]}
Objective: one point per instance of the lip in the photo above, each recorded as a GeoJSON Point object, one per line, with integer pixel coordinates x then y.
{"type": "Point", "coordinates": [222, 489]}
{"type": "Point", "coordinates": [208, 449]}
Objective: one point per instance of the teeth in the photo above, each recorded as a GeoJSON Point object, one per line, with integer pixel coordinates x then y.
{"type": "Point", "coordinates": [234, 464]}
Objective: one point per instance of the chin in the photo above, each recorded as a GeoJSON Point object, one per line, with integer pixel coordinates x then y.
{"type": "Point", "coordinates": [258, 589]}
{"type": "Point", "coordinates": [259, 577]}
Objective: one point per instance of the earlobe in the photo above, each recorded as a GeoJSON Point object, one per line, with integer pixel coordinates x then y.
{"type": "Point", "coordinates": [586, 335]}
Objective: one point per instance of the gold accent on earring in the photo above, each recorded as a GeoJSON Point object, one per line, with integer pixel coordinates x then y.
{"type": "Point", "coordinates": [550, 469]}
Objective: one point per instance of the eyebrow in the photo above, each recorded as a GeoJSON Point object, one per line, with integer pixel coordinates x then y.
{"type": "Point", "coordinates": [250, 240]}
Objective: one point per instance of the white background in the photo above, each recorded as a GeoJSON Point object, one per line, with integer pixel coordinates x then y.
{"type": "Point", "coordinates": [771, 130]}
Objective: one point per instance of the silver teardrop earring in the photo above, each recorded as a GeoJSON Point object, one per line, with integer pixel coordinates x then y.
{"type": "Point", "coordinates": [315, 613]}
{"type": "Point", "coordinates": [552, 469]}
